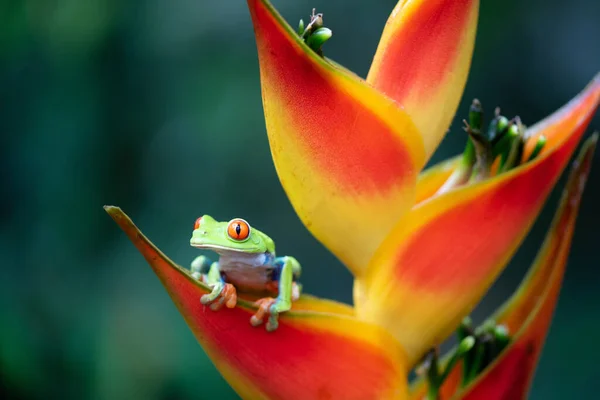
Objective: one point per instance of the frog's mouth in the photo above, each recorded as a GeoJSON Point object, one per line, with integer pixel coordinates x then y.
{"type": "Point", "coordinates": [222, 249]}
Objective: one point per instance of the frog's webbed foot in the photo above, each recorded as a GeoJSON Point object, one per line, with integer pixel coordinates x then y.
{"type": "Point", "coordinates": [264, 308]}
{"type": "Point", "coordinates": [222, 294]}
{"type": "Point", "coordinates": [272, 307]}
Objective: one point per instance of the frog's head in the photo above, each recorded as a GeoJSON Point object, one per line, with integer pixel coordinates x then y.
{"type": "Point", "coordinates": [227, 237]}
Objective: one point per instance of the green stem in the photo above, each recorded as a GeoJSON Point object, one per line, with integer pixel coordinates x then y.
{"type": "Point", "coordinates": [477, 362]}
{"type": "Point", "coordinates": [464, 347]}
{"type": "Point", "coordinates": [433, 376]}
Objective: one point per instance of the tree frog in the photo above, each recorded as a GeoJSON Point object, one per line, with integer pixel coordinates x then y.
{"type": "Point", "coordinates": [247, 263]}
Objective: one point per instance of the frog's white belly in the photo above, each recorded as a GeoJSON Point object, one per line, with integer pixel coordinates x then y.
{"type": "Point", "coordinates": [246, 272]}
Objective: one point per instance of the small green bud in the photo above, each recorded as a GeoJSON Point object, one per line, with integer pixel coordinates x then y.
{"type": "Point", "coordinates": [502, 337]}
{"type": "Point", "coordinates": [301, 27]}
{"type": "Point", "coordinates": [502, 123]}
{"type": "Point", "coordinates": [504, 144]}
{"type": "Point", "coordinates": [480, 349]}
{"type": "Point", "coordinates": [539, 145]}
{"type": "Point", "coordinates": [497, 128]}
{"type": "Point", "coordinates": [513, 158]}
{"type": "Point", "coordinates": [476, 116]}
{"type": "Point", "coordinates": [513, 130]}
{"type": "Point", "coordinates": [466, 345]}
{"type": "Point", "coordinates": [318, 38]}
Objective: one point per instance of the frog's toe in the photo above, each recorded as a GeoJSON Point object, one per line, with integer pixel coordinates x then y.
{"type": "Point", "coordinates": [229, 295]}
{"type": "Point", "coordinates": [296, 290]}
{"type": "Point", "coordinates": [217, 304]}
{"type": "Point", "coordinates": [255, 321]}
{"type": "Point", "coordinates": [273, 322]}
{"type": "Point", "coordinates": [272, 325]}
{"type": "Point", "coordinates": [207, 299]}
{"type": "Point", "coordinates": [264, 308]}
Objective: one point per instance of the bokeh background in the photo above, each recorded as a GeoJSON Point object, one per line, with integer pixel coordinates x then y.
{"type": "Point", "coordinates": [155, 106]}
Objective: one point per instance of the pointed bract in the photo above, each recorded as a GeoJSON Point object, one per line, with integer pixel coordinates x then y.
{"type": "Point", "coordinates": [346, 155]}
{"type": "Point", "coordinates": [423, 61]}
{"type": "Point", "coordinates": [314, 354]}
{"type": "Point", "coordinates": [528, 312]}
{"type": "Point", "coordinates": [555, 127]}
{"type": "Point", "coordinates": [439, 261]}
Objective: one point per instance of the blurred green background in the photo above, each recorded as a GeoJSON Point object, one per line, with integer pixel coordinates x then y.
{"type": "Point", "coordinates": [155, 106]}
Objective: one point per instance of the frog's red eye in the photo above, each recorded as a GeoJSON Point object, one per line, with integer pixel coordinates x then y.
{"type": "Point", "coordinates": [238, 229]}
{"type": "Point", "coordinates": [197, 223]}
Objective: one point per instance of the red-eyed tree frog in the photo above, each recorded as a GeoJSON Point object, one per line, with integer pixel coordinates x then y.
{"type": "Point", "coordinates": [247, 263]}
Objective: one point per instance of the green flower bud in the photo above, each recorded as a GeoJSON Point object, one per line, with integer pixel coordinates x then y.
{"type": "Point", "coordinates": [476, 116]}
{"type": "Point", "coordinates": [539, 145]}
{"type": "Point", "coordinates": [318, 38]}
{"type": "Point", "coordinates": [497, 128]}
{"type": "Point", "coordinates": [466, 345]}
{"type": "Point", "coordinates": [301, 27]}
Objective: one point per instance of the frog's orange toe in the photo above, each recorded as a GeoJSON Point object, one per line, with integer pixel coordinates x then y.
{"type": "Point", "coordinates": [264, 305]}
{"type": "Point", "coordinates": [229, 295]}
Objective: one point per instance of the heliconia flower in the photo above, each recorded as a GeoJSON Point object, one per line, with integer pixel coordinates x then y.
{"type": "Point", "coordinates": [347, 159]}
{"type": "Point", "coordinates": [322, 350]}
{"type": "Point", "coordinates": [424, 247]}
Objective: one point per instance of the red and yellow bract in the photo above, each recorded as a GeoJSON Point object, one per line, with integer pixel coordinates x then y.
{"type": "Point", "coordinates": [348, 153]}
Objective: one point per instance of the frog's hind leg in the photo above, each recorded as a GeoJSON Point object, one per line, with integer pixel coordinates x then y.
{"type": "Point", "coordinates": [296, 271]}
{"type": "Point", "coordinates": [283, 302]}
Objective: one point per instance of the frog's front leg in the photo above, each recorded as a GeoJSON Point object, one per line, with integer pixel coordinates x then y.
{"type": "Point", "coordinates": [283, 302]}
{"type": "Point", "coordinates": [200, 267]}
{"type": "Point", "coordinates": [222, 292]}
